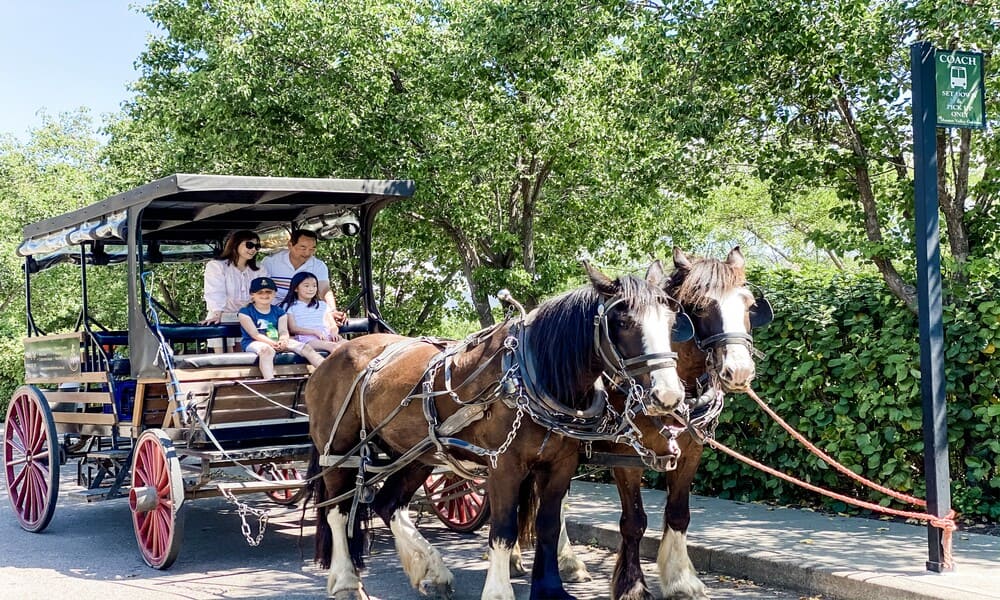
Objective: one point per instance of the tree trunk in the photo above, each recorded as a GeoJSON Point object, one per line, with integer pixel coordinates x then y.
{"type": "Point", "coordinates": [873, 230]}
{"type": "Point", "coordinates": [953, 206]}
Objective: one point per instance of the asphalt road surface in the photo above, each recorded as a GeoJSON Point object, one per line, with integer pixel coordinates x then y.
{"type": "Point", "coordinates": [89, 552]}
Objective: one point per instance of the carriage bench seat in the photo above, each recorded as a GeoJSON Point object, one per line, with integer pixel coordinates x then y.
{"type": "Point", "coordinates": [234, 359]}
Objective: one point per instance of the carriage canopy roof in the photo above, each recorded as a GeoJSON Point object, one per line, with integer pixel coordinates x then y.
{"type": "Point", "coordinates": [185, 208]}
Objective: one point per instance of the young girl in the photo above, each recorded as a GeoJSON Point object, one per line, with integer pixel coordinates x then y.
{"type": "Point", "coordinates": [309, 320]}
{"type": "Point", "coordinates": [265, 329]}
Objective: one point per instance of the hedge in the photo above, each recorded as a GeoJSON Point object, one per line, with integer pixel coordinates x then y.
{"type": "Point", "coordinates": [841, 364]}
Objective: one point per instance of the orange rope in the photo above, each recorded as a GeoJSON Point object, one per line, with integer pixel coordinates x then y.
{"type": "Point", "coordinates": [946, 524]}
{"type": "Point", "coordinates": [830, 461]}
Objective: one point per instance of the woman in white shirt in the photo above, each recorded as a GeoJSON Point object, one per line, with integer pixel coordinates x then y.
{"type": "Point", "coordinates": [227, 279]}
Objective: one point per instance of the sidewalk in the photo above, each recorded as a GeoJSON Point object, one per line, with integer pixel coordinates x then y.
{"type": "Point", "coordinates": [838, 557]}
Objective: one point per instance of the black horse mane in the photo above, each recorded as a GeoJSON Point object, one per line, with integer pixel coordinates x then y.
{"type": "Point", "coordinates": [561, 337]}
{"type": "Point", "coordinates": [692, 285]}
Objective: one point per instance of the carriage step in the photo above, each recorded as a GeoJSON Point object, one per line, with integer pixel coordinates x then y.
{"type": "Point", "coordinates": [116, 455]}
{"type": "Point", "coordinates": [90, 495]}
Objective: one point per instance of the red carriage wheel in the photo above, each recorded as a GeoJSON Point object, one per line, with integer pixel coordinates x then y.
{"type": "Point", "coordinates": [272, 472]}
{"type": "Point", "coordinates": [460, 503]}
{"type": "Point", "coordinates": [155, 499]}
{"type": "Point", "coordinates": [31, 458]}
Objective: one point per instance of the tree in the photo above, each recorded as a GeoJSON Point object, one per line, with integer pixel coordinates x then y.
{"type": "Point", "coordinates": [815, 95]}
{"type": "Point", "coordinates": [56, 170]}
{"type": "Point", "coordinates": [526, 126]}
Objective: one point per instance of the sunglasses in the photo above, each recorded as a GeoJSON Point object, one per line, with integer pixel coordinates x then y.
{"type": "Point", "coordinates": [252, 245]}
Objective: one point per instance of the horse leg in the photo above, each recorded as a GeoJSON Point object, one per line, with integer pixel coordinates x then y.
{"type": "Point", "coordinates": [503, 497]}
{"type": "Point", "coordinates": [343, 581]}
{"type": "Point", "coordinates": [678, 577]}
{"type": "Point", "coordinates": [571, 568]}
{"type": "Point", "coordinates": [421, 561]}
{"type": "Point", "coordinates": [551, 486]}
{"type": "Point", "coordinates": [628, 582]}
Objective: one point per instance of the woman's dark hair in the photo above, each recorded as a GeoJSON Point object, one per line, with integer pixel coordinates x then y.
{"type": "Point", "coordinates": [293, 290]}
{"type": "Point", "coordinates": [230, 251]}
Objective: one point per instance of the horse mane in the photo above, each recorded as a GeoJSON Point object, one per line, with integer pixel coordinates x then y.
{"type": "Point", "coordinates": [562, 337]}
{"type": "Point", "coordinates": [691, 286]}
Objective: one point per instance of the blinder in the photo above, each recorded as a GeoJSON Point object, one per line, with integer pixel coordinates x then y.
{"type": "Point", "coordinates": [760, 313]}
{"type": "Point", "coordinates": [683, 328]}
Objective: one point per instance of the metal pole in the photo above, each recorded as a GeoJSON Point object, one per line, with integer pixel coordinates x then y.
{"type": "Point", "coordinates": [932, 376]}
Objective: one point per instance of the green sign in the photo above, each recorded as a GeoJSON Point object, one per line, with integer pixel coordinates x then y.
{"type": "Point", "coordinates": [960, 89]}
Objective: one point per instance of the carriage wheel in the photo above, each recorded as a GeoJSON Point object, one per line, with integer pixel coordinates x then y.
{"type": "Point", "coordinates": [272, 472]}
{"type": "Point", "coordinates": [155, 499]}
{"type": "Point", "coordinates": [31, 458]}
{"type": "Point", "coordinates": [460, 503]}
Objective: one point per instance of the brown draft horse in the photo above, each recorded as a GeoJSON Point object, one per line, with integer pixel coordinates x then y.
{"type": "Point", "coordinates": [718, 359]}
{"type": "Point", "coordinates": [423, 403]}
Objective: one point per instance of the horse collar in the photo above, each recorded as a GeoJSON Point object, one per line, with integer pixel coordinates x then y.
{"type": "Point", "coordinates": [542, 406]}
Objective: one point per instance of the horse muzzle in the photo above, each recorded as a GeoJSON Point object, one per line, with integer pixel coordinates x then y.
{"type": "Point", "coordinates": [666, 392]}
{"type": "Point", "coordinates": [736, 368]}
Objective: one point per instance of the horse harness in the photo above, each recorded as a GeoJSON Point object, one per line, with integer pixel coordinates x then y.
{"type": "Point", "coordinates": [698, 415]}
{"type": "Point", "coordinates": [517, 388]}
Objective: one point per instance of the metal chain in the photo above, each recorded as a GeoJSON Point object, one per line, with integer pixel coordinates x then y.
{"type": "Point", "coordinates": [522, 401]}
{"type": "Point", "coordinates": [243, 510]}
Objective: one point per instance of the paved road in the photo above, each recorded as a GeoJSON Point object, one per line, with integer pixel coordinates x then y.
{"type": "Point", "coordinates": [89, 552]}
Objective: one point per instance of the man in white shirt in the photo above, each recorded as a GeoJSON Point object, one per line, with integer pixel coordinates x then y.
{"type": "Point", "coordinates": [300, 257]}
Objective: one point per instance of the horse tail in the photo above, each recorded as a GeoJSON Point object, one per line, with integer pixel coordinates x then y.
{"type": "Point", "coordinates": [527, 511]}
{"type": "Point", "coordinates": [316, 492]}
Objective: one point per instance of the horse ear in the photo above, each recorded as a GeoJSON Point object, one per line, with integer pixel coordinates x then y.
{"type": "Point", "coordinates": [654, 274]}
{"type": "Point", "coordinates": [680, 259]}
{"type": "Point", "coordinates": [735, 258]}
{"type": "Point", "coordinates": [601, 282]}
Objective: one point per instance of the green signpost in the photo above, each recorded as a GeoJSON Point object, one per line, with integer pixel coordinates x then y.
{"type": "Point", "coordinates": [960, 89]}
{"type": "Point", "coordinates": [948, 91]}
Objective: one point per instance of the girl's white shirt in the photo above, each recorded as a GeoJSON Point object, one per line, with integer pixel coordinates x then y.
{"type": "Point", "coordinates": [309, 317]}
{"type": "Point", "coordinates": [227, 288]}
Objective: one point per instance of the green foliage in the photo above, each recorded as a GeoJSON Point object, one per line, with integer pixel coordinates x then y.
{"type": "Point", "coordinates": [842, 367]}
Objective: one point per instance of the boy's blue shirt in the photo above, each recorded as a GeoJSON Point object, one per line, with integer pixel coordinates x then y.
{"type": "Point", "coordinates": [267, 323]}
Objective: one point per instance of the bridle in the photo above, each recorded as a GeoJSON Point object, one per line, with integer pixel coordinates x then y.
{"type": "Point", "coordinates": [614, 363]}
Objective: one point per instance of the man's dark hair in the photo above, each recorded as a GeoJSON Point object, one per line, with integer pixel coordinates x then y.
{"type": "Point", "coordinates": [299, 233]}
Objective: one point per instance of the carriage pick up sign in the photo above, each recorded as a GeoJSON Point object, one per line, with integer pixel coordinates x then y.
{"type": "Point", "coordinates": [960, 89]}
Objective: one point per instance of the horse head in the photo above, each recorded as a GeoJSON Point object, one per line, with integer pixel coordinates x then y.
{"type": "Point", "coordinates": [724, 312]}
{"type": "Point", "coordinates": [636, 319]}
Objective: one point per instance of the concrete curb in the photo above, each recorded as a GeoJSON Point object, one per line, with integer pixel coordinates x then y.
{"type": "Point", "coordinates": [773, 569]}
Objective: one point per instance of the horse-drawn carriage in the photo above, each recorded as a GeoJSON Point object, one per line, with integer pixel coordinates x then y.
{"type": "Point", "coordinates": [145, 408]}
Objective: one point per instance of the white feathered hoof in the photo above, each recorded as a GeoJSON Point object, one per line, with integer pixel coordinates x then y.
{"type": "Point", "coordinates": [440, 590]}
{"type": "Point", "coordinates": [349, 595]}
{"type": "Point", "coordinates": [572, 569]}
{"type": "Point", "coordinates": [517, 565]}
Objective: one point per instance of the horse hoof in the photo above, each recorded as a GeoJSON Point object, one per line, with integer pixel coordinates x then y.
{"type": "Point", "coordinates": [350, 595]}
{"type": "Point", "coordinates": [692, 595]}
{"type": "Point", "coordinates": [435, 589]}
{"type": "Point", "coordinates": [517, 567]}
{"type": "Point", "coordinates": [559, 594]}
{"type": "Point", "coordinates": [636, 593]}
{"type": "Point", "coordinates": [574, 573]}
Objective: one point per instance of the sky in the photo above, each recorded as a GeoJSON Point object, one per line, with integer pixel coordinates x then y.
{"type": "Point", "coordinates": [60, 55]}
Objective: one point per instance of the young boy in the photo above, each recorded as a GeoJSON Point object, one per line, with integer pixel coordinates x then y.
{"type": "Point", "coordinates": [265, 328]}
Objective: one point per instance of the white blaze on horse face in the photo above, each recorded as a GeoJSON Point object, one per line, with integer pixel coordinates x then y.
{"type": "Point", "coordinates": [678, 577]}
{"type": "Point", "coordinates": [342, 576]}
{"type": "Point", "coordinates": [737, 368]}
{"type": "Point", "coordinates": [667, 391]}
{"type": "Point", "coordinates": [497, 586]}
